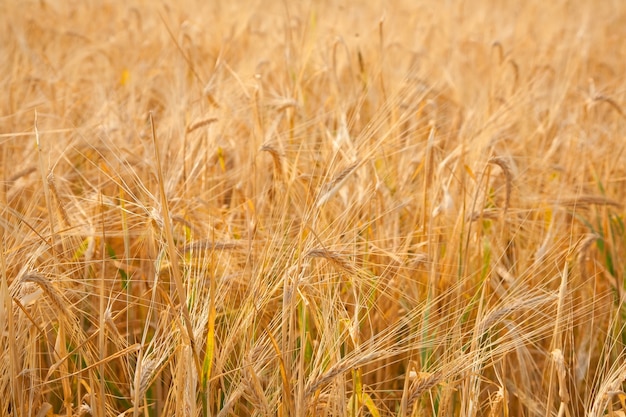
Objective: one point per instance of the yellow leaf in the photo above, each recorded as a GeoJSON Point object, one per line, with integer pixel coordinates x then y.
{"type": "Point", "coordinates": [220, 157]}
{"type": "Point", "coordinates": [124, 77]}
{"type": "Point", "coordinates": [469, 171]}
{"type": "Point", "coordinates": [369, 403]}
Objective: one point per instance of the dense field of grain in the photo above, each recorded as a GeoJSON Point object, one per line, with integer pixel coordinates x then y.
{"type": "Point", "coordinates": [312, 208]}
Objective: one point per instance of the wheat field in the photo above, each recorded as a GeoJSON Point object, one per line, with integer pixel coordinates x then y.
{"type": "Point", "coordinates": [313, 208]}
